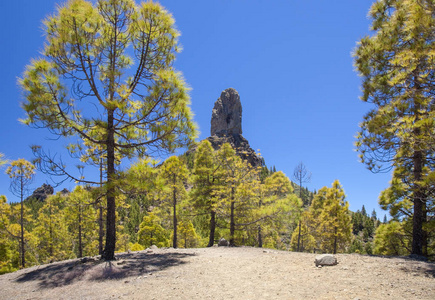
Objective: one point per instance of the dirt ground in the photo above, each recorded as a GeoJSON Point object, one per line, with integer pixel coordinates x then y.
{"type": "Point", "coordinates": [223, 273]}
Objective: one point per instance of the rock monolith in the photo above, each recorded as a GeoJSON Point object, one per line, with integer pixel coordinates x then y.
{"type": "Point", "coordinates": [226, 126]}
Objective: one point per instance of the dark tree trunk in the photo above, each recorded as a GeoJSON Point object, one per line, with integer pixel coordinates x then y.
{"type": "Point", "coordinates": [260, 237]}
{"type": "Point", "coordinates": [80, 232]}
{"type": "Point", "coordinates": [212, 228]}
{"type": "Point", "coordinates": [50, 249]}
{"type": "Point", "coordinates": [100, 231]}
{"type": "Point", "coordinates": [299, 225]}
{"type": "Point", "coordinates": [335, 240]}
{"type": "Point", "coordinates": [232, 221]}
{"type": "Point", "coordinates": [100, 208]}
{"type": "Point", "coordinates": [109, 250]}
{"type": "Point", "coordinates": [23, 258]}
{"type": "Point", "coordinates": [419, 207]}
{"type": "Point", "coordinates": [299, 234]}
{"type": "Point", "coordinates": [174, 203]}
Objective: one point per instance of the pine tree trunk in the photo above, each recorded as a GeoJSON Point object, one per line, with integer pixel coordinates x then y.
{"type": "Point", "coordinates": [299, 235]}
{"type": "Point", "coordinates": [100, 230]}
{"type": "Point", "coordinates": [299, 230]}
{"type": "Point", "coordinates": [174, 203]}
{"type": "Point", "coordinates": [260, 237]}
{"type": "Point", "coordinates": [109, 250]}
{"type": "Point", "coordinates": [50, 249]}
{"type": "Point", "coordinates": [335, 240]}
{"type": "Point", "coordinates": [212, 228]}
{"type": "Point", "coordinates": [418, 199]}
{"type": "Point", "coordinates": [100, 218]}
{"type": "Point", "coordinates": [23, 258]}
{"type": "Point", "coordinates": [232, 222]}
{"type": "Point", "coordinates": [80, 232]}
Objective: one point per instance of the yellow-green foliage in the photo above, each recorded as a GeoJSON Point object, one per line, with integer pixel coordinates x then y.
{"type": "Point", "coordinates": [3, 161]}
{"type": "Point", "coordinates": [9, 255]}
{"type": "Point", "coordinates": [397, 69]}
{"type": "Point", "coordinates": [277, 211]}
{"type": "Point", "coordinates": [203, 196]}
{"type": "Point", "coordinates": [390, 239]}
{"type": "Point", "coordinates": [80, 217]}
{"type": "Point", "coordinates": [187, 235]}
{"type": "Point", "coordinates": [118, 57]}
{"type": "Point", "coordinates": [174, 175]}
{"type": "Point", "coordinates": [307, 242]}
{"type": "Point", "coordinates": [53, 240]}
{"type": "Point", "coordinates": [151, 232]}
{"type": "Point", "coordinates": [329, 220]}
{"type": "Point", "coordinates": [135, 247]}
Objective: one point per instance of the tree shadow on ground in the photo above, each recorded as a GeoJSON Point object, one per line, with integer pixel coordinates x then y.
{"type": "Point", "coordinates": [419, 265]}
{"type": "Point", "coordinates": [420, 269]}
{"type": "Point", "coordinates": [127, 265]}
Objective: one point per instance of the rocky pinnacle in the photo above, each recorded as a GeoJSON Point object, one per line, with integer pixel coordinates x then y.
{"type": "Point", "coordinates": [226, 116]}
{"type": "Point", "coordinates": [226, 126]}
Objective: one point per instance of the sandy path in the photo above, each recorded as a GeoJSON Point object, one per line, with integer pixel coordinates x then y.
{"type": "Point", "coordinates": [224, 273]}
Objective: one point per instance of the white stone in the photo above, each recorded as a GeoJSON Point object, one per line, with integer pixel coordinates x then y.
{"type": "Point", "coordinates": [325, 260]}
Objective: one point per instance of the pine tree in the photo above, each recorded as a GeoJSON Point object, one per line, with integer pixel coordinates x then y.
{"type": "Point", "coordinates": [80, 217]}
{"type": "Point", "coordinates": [396, 63]}
{"type": "Point", "coordinates": [151, 232]}
{"type": "Point", "coordinates": [301, 175]}
{"type": "Point", "coordinates": [278, 208]}
{"type": "Point", "coordinates": [21, 173]}
{"type": "Point", "coordinates": [374, 215]}
{"type": "Point", "coordinates": [329, 219]}
{"type": "Point", "coordinates": [206, 178]}
{"type": "Point", "coordinates": [188, 236]}
{"type": "Point", "coordinates": [9, 256]}
{"type": "Point", "coordinates": [236, 188]}
{"type": "Point", "coordinates": [54, 242]}
{"type": "Point", "coordinates": [129, 111]}
{"type": "Point", "coordinates": [174, 174]}
{"type": "Point", "coordinates": [363, 211]}
{"type": "Point", "coordinates": [303, 241]}
{"type": "Point", "coordinates": [391, 239]}
{"type": "Point", "coordinates": [140, 185]}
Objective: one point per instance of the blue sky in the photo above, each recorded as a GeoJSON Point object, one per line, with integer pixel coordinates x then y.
{"type": "Point", "coordinates": [289, 60]}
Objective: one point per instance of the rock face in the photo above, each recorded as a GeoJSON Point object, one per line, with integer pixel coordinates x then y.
{"type": "Point", "coordinates": [226, 118]}
{"type": "Point", "coordinates": [226, 126]}
{"type": "Point", "coordinates": [240, 144]}
{"type": "Point", "coordinates": [42, 192]}
{"type": "Point", "coordinates": [325, 260]}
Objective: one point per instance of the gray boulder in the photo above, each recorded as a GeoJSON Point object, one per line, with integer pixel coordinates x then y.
{"type": "Point", "coordinates": [223, 243]}
{"type": "Point", "coordinates": [325, 260]}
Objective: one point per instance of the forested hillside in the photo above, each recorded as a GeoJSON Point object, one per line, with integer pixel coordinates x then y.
{"type": "Point", "coordinates": [174, 205]}
{"type": "Point", "coordinates": [107, 90]}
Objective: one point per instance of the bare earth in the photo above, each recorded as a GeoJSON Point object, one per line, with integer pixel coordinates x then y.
{"type": "Point", "coordinates": [223, 273]}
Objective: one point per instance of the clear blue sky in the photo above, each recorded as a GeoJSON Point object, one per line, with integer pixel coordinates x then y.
{"type": "Point", "coordinates": [290, 61]}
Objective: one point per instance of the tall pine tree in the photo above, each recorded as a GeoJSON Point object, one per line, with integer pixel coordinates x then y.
{"type": "Point", "coordinates": [113, 60]}
{"type": "Point", "coordinates": [396, 64]}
